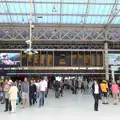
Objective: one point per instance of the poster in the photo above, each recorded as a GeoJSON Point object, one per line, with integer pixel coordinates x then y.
{"type": "Point", "coordinates": [114, 59]}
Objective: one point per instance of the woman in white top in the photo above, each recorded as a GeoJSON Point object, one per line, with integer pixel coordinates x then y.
{"type": "Point", "coordinates": [13, 96]}
{"type": "Point", "coordinates": [96, 94]}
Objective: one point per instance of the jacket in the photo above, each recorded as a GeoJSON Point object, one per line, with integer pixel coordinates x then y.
{"type": "Point", "coordinates": [104, 87]}
{"type": "Point", "coordinates": [93, 89]}
{"type": "Point", "coordinates": [13, 93]}
{"type": "Point", "coordinates": [32, 89]}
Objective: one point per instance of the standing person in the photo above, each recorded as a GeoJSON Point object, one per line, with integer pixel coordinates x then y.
{"type": "Point", "coordinates": [48, 87]}
{"type": "Point", "coordinates": [42, 90]}
{"type": "Point", "coordinates": [6, 90]}
{"type": "Point", "coordinates": [25, 92]}
{"type": "Point", "coordinates": [115, 91]}
{"type": "Point", "coordinates": [32, 93]}
{"type": "Point", "coordinates": [57, 88]}
{"type": "Point", "coordinates": [96, 94]}
{"type": "Point", "coordinates": [61, 87]}
{"type": "Point", "coordinates": [13, 92]}
{"type": "Point", "coordinates": [104, 89]}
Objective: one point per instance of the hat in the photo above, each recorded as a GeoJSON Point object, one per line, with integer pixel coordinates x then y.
{"type": "Point", "coordinates": [10, 81]}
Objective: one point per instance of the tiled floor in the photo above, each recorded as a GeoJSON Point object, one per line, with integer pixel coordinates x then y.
{"type": "Point", "coordinates": [70, 107]}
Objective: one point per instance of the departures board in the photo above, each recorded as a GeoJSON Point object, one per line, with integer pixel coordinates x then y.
{"type": "Point", "coordinates": [63, 58]}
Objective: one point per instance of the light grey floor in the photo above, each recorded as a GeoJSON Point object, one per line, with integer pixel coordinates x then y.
{"type": "Point", "coordinates": [70, 107]}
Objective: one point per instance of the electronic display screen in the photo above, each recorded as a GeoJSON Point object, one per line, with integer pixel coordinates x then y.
{"type": "Point", "coordinates": [10, 59]}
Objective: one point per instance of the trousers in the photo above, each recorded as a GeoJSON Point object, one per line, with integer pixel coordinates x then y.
{"type": "Point", "coordinates": [13, 104]}
{"type": "Point", "coordinates": [7, 105]}
{"type": "Point", "coordinates": [41, 98]}
{"type": "Point", "coordinates": [32, 99]}
{"type": "Point", "coordinates": [96, 99]}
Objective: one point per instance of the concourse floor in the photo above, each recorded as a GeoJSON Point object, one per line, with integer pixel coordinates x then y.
{"type": "Point", "coordinates": [69, 107]}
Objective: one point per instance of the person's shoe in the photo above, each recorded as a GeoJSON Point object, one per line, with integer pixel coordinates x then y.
{"type": "Point", "coordinates": [96, 110]}
{"type": "Point", "coordinates": [106, 103]}
{"type": "Point", "coordinates": [103, 103]}
{"type": "Point", "coordinates": [5, 110]}
{"type": "Point", "coordinates": [39, 106]}
{"type": "Point", "coordinates": [115, 103]}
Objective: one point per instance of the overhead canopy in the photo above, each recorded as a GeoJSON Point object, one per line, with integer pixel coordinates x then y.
{"type": "Point", "coordinates": [61, 11]}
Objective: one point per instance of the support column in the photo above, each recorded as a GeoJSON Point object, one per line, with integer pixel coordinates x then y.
{"type": "Point", "coordinates": [106, 65]}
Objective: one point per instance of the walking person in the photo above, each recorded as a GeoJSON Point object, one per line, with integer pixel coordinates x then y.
{"type": "Point", "coordinates": [104, 89]}
{"type": "Point", "coordinates": [96, 94]}
{"type": "Point", "coordinates": [13, 94]}
{"type": "Point", "coordinates": [42, 90]}
{"type": "Point", "coordinates": [32, 93]}
{"type": "Point", "coordinates": [57, 88]}
{"type": "Point", "coordinates": [25, 92]}
{"type": "Point", "coordinates": [115, 92]}
{"type": "Point", "coordinates": [6, 90]}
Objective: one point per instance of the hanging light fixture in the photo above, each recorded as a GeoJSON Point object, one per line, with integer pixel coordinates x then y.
{"type": "Point", "coordinates": [29, 42]}
{"type": "Point", "coordinates": [54, 9]}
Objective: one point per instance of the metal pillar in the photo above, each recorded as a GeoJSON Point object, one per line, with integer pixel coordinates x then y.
{"type": "Point", "coordinates": [106, 61]}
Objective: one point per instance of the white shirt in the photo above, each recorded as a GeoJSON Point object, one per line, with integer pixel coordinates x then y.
{"type": "Point", "coordinates": [37, 86]}
{"type": "Point", "coordinates": [96, 89]}
{"type": "Point", "coordinates": [43, 85]}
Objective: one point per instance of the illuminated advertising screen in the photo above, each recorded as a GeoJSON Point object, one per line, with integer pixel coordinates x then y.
{"type": "Point", "coordinates": [9, 59]}
{"type": "Point", "coordinates": [114, 59]}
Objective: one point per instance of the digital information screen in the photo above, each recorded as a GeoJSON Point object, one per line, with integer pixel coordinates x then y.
{"type": "Point", "coordinates": [62, 58]}
{"type": "Point", "coordinates": [10, 59]}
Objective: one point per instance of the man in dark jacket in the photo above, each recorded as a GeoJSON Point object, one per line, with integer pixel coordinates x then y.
{"type": "Point", "coordinates": [32, 93]}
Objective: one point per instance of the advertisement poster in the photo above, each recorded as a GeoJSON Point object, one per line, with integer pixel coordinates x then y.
{"type": "Point", "coordinates": [114, 59]}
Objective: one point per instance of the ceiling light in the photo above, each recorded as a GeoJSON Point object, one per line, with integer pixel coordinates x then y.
{"type": "Point", "coordinates": [54, 9]}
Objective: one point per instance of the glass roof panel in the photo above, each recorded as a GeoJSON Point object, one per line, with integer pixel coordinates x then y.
{"type": "Point", "coordinates": [100, 9]}
{"type": "Point", "coordinates": [116, 20]}
{"type": "Point", "coordinates": [47, 8]}
{"type": "Point", "coordinates": [102, 1]}
{"type": "Point", "coordinates": [75, 0]}
{"type": "Point", "coordinates": [71, 19]}
{"type": "Point", "coordinates": [96, 20]}
{"type": "Point", "coordinates": [70, 13]}
{"type": "Point", "coordinates": [73, 9]}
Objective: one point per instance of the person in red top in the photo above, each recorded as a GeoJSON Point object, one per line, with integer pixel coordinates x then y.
{"type": "Point", "coordinates": [115, 91]}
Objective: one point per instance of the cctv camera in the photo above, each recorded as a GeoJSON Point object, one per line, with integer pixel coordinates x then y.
{"type": "Point", "coordinates": [32, 26]}
{"type": "Point", "coordinates": [28, 41]}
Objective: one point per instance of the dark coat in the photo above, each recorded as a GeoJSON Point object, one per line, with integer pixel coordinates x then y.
{"type": "Point", "coordinates": [32, 89]}
{"type": "Point", "coordinates": [93, 89]}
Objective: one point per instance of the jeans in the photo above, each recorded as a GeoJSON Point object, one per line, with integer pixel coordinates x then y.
{"type": "Point", "coordinates": [57, 93]}
{"type": "Point", "coordinates": [32, 99]}
{"type": "Point", "coordinates": [96, 98]}
{"type": "Point", "coordinates": [3, 99]}
{"type": "Point", "coordinates": [7, 105]}
{"type": "Point", "coordinates": [41, 98]}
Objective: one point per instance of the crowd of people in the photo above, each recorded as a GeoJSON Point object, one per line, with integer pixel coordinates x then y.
{"type": "Point", "coordinates": [35, 91]}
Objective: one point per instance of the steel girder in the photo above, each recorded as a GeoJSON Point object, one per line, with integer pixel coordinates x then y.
{"type": "Point", "coordinates": [60, 34]}
{"type": "Point", "coordinates": [52, 47]}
